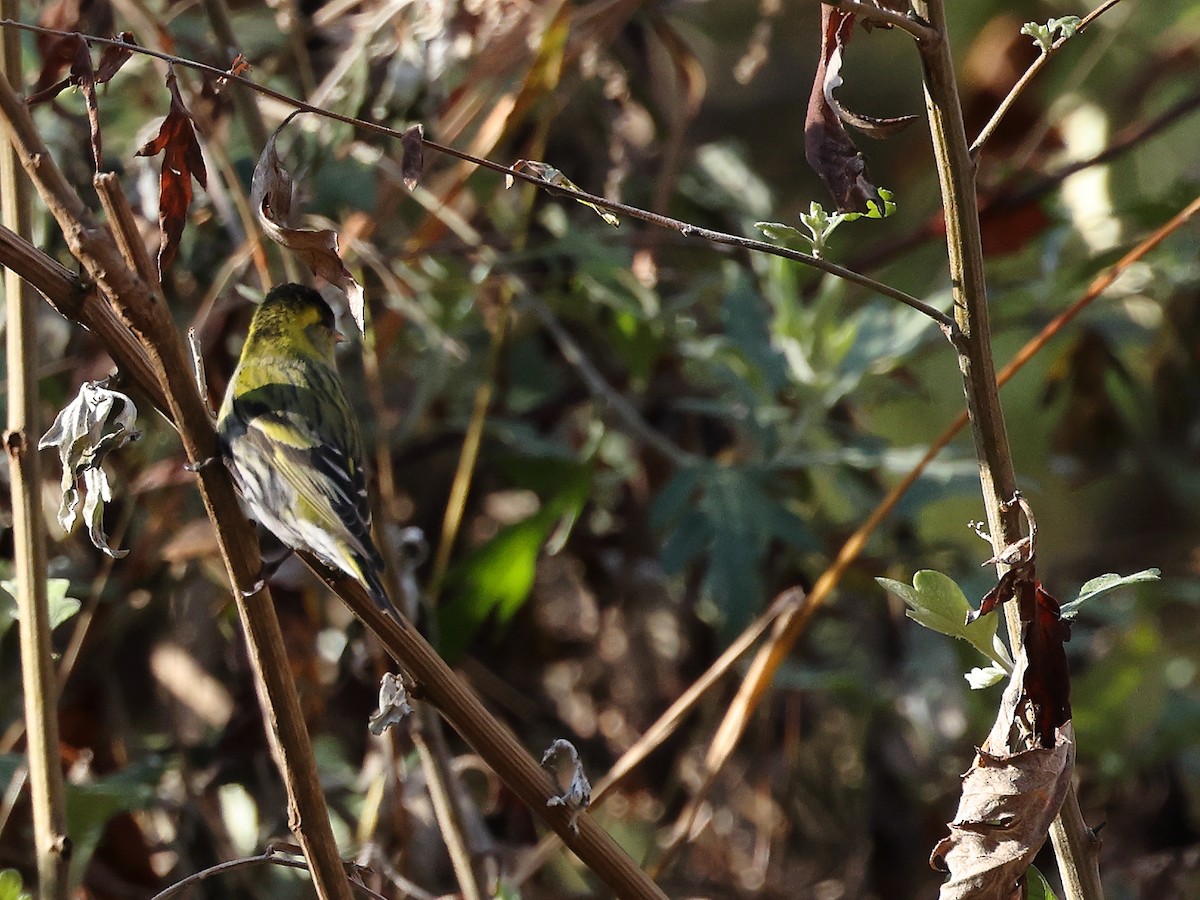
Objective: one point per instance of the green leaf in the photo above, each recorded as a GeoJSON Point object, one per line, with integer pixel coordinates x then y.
{"type": "Point", "coordinates": [1102, 583]}
{"type": "Point", "coordinates": [937, 602]}
{"type": "Point", "coordinates": [91, 805]}
{"type": "Point", "coordinates": [874, 210]}
{"type": "Point", "coordinates": [62, 607]}
{"type": "Point", "coordinates": [495, 579]}
{"type": "Point", "coordinates": [777, 231]}
{"type": "Point", "coordinates": [1036, 886]}
{"type": "Point", "coordinates": [691, 537]}
{"type": "Point", "coordinates": [11, 887]}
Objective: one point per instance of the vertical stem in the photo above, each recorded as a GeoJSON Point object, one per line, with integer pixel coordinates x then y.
{"type": "Point", "coordinates": [29, 541]}
{"type": "Point", "coordinates": [956, 173]}
{"type": "Point", "coordinates": [1074, 844]}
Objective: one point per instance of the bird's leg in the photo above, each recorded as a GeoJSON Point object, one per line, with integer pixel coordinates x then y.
{"type": "Point", "coordinates": [267, 571]}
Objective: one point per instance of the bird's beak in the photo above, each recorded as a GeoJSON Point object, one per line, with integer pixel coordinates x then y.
{"type": "Point", "coordinates": [338, 337]}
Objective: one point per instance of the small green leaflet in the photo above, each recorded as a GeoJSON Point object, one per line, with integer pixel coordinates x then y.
{"type": "Point", "coordinates": [935, 601]}
{"type": "Point", "coordinates": [821, 224]}
{"type": "Point", "coordinates": [1043, 35]}
{"type": "Point", "coordinates": [1102, 583]}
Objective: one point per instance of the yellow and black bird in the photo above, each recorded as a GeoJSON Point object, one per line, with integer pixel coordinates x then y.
{"type": "Point", "coordinates": [290, 438]}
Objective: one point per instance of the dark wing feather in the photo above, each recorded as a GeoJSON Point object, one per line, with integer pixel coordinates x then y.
{"type": "Point", "coordinates": [306, 435]}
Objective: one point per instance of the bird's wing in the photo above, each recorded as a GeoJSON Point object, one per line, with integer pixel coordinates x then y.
{"type": "Point", "coordinates": [322, 464]}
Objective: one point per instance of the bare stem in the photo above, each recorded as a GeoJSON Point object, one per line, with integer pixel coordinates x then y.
{"type": "Point", "coordinates": [956, 174]}
{"type": "Point", "coordinates": [29, 539]}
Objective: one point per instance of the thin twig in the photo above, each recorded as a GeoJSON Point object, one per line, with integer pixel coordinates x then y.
{"type": "Point", "coordinates": [430, 742]}
{"type": "Point", "coordinates": [882, 15]}
{"type": "Point", "coordinates": [1034, 68]}
{"type": "Point", "coordinates": [947, 323]}
{"type": "Point", "coordinates": [267, 857]}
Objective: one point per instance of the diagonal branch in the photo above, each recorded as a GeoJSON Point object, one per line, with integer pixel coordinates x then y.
{"type": "Point", "coordinates": [1034, 68]}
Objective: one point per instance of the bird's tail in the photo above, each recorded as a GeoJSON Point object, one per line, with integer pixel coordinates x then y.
{"type": "Point", "coordinates": [370, 574]}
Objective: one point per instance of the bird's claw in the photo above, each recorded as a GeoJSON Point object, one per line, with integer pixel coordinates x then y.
{"type": "Point", "coordinates": [258, 586]}
{"type": "Point", "coordinates": [202, 464]}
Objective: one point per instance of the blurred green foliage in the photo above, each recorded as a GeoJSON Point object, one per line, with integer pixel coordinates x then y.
{"type": "Point", "coordinates": [785, 403]}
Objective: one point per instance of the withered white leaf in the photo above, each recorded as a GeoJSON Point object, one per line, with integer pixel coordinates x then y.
{"type": "Point", "coordinates": [97, 422]}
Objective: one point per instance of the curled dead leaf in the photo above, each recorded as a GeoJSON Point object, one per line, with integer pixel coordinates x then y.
{"type": "Point", "coordinates": [827, 146]}
{"type": "Point", "coordinates": [271, 195]}
{"type": "Point", "coordinates": [1004, 815]}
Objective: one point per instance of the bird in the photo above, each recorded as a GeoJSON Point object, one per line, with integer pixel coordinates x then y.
{"type": "Point", "coordinates": [291, 441]}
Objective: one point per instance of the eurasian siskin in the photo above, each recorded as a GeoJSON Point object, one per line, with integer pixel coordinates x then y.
{"type": "Point", "coordinates": [290, 438]}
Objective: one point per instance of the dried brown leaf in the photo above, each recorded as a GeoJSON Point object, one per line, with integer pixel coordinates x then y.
{"type": "Point", "coordinates": [412, 160]}
{"type": "Point", "coordinates": [182, 161]}
{"type": "Point", "coordinates": [58, 50]}
{"type": "Point", "coordinates": [113, 57]}
{"type": "Point", "coordinates": [827, 146]}
{"type": "Point", "coordinates": [271, 195]}
{"type": "Point", "coordinates": [1008, 803]}
{"type": "Point", "coordinates": [86, 78]}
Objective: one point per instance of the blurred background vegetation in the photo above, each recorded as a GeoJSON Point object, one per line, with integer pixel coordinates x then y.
{"type": "Point", "coordinates": [610, 551]}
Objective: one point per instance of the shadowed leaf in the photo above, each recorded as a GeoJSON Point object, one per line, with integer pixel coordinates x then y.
{"type": "Point", "coordinates": [271, 195]}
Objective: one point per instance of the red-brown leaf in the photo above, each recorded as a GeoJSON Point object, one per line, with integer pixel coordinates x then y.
{"type": "Point", "coordinates": [113, 57]}
{"type": "Point", "coordinates": [182, 161]}
{"type": "Point", "coordinates": [1047, 680]}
